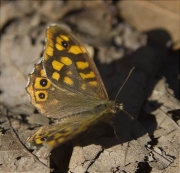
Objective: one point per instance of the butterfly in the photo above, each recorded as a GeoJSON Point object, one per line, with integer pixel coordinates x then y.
{"type": "Point", "coordinates": [67, 86]}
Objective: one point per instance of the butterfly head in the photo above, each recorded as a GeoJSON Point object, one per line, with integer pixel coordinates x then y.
{"type": "Point", "coordinates": [115, 107]}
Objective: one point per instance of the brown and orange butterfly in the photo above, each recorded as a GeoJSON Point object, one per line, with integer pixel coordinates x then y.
{"type": "Point", "coordinates": [66, 85]}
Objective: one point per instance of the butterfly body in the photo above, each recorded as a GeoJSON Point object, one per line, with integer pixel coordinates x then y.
{"type": "Point", "coordinates": [66, 85]}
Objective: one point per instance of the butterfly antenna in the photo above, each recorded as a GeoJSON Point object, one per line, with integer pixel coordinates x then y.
{"type": "Point", "coordinates": [124, 83]}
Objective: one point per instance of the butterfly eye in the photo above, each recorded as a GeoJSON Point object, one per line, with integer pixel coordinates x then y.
{"type": "Point", "coordinates": [41, 95]}
{"type": "Point", "coordinates": [43, 139]}
{"type": "Point", "coordinates": [64, 44]}
{"type": "Point", "coordinates": [43, 82]}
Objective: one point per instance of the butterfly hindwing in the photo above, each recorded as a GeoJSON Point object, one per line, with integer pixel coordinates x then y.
{"type": "Point", "coordinates": [54, 102]}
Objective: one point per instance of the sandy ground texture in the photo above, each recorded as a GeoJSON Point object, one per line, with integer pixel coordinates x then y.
{"type": "Point", "coordinates": [117, 40]}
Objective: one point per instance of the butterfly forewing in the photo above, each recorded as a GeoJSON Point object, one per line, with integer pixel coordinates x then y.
{"type": "Point", "coordinates": [54, 135]}
{"type": "Point", "coordinates": [68, 65]}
